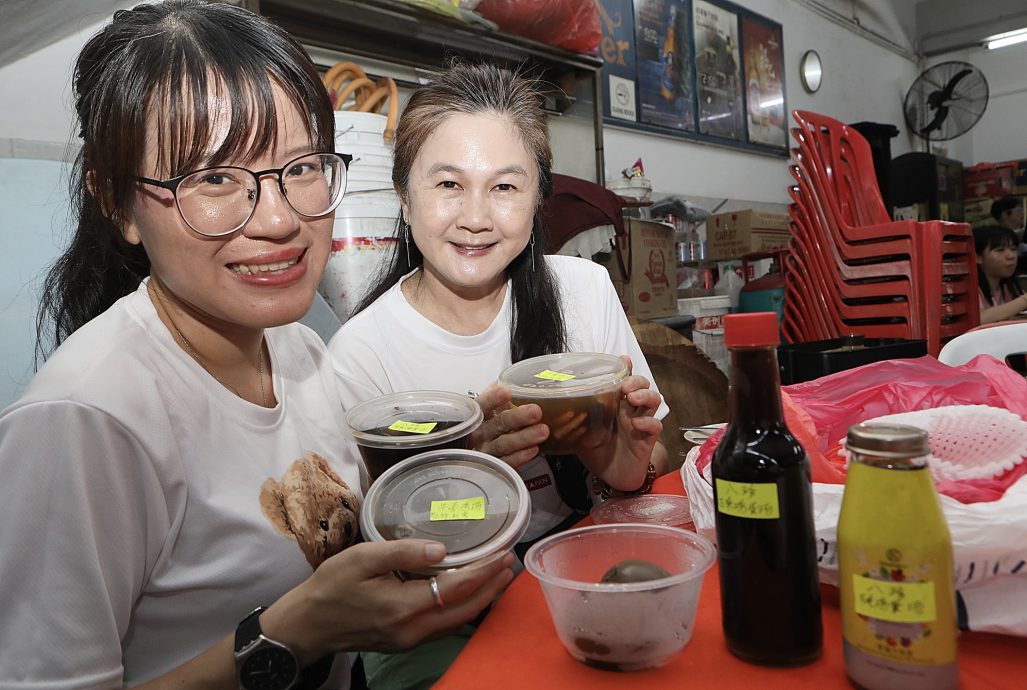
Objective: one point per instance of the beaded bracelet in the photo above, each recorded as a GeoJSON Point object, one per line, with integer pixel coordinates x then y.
{"type": "Point", "coordinates": [605, 491]}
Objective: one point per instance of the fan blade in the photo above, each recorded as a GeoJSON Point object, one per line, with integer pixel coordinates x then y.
{"type": "Point", "coordinates": [936, 122]}
{"type": "Point", "coordinates": [951, 86]}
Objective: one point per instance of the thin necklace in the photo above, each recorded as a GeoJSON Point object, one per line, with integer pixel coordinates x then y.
{"type": "Point", "coordinates": [196, 355]}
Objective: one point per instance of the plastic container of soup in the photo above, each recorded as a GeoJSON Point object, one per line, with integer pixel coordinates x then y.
{"type": "Point", "coordinates": [474, 503]}
{"type": "Point", "coordinates": [393, 427]}
{"type": "Point", "coordinates": [578, 392]}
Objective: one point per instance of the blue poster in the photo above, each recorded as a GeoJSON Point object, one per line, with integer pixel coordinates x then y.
{"type": "Point", "coordinates": [664, 57]}
{"type": "Point", "coordinates": [617, 49]}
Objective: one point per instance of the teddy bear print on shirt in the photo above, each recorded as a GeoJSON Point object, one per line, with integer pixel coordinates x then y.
{"type": "Point", "coordinates": [314, 506]}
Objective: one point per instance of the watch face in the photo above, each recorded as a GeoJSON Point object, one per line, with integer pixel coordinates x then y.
{"type": "Point", "coordinates": [268, 668]}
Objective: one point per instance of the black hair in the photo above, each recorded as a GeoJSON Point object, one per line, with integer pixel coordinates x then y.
{"type": "Point", "coordinates": [537, 325]}
{"type": "Point", "coordinates": [156, 68]}
{"type": "Point", "coordinates": [1003, 205]}
{"type": "Point", "coordinates": [995, 237]}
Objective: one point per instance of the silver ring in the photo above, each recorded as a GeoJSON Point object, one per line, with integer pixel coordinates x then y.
{"type": "Point", "coordinates": [436, 593]}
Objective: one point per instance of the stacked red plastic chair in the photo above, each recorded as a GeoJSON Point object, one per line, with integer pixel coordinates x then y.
{"type": "Point", "coordinates": [851, 269]}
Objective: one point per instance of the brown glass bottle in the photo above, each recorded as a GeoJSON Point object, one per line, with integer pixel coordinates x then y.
{"type": "Point", "coordinates": [770, 594]}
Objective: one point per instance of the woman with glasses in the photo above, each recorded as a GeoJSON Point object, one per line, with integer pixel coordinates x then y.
{"type": "Point", "coordinates": [178, 463]}
{"type": "Point", "coordinates": [470, 290]}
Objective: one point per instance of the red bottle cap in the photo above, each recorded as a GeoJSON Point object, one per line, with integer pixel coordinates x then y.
{"type": "Point", "coordinates": [751, 330]}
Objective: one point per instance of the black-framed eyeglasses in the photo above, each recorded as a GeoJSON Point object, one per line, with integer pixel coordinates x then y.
{"type": "Point", "coordinates": [220, 200]}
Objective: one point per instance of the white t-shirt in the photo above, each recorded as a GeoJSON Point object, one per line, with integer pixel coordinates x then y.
{"type": "Point", "coordinates": [390, 347]}
{"type": "Point", "coordinates": [144, 505]}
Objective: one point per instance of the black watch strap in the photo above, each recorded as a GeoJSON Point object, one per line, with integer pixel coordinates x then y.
{"type": "Point", "coordinates": [311, 678]}
{"type": "Point", "coordinates": [248, 630]}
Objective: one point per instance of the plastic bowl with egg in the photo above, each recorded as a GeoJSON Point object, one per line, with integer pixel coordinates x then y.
{"type": "Point", "coordinates": [622, 625]}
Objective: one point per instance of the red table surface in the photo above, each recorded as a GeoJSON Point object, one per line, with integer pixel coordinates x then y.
{"type": "Point", "coordinates": [517, 647]}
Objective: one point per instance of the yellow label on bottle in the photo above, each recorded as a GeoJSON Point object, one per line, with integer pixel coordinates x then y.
{"type": "Point", "coordinates": [462, 509]}
{"type": "Point", "coordinates": [747, 500]}
{"type": "Point", "coordinates": [550, 375]}
{"type": "Point", "coordinates": [901, 602]}
{"type": "Point", "coordinates": [413, 427]}
{"type": "Point", "coordinates": [896, 591]}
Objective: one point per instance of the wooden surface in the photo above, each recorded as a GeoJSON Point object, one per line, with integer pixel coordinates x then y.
{"type": "Point", "coordinates": [695, 389]}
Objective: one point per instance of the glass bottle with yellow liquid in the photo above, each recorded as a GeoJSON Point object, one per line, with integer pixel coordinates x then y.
{"type": "Point", "coordinates": [898, 601]}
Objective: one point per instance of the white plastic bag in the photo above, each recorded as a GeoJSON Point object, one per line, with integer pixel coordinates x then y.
{"type": "Point", "coordinates": [989, 542]}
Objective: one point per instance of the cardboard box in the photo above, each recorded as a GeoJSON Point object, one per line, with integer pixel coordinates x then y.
{"type": "Point", "coordinates": [977, 211]}
{"type": "Point", "coordinates": [648, 291]}
{"type": "Point", "coordinates": [729, 235]}
{"type": "Point", "coordinates": [989, 180]}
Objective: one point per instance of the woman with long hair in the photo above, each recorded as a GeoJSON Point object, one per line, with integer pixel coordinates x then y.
{"type": "Point", "coordinates": [470, 290]}
{"type": "Point", "coordinates": [174, 466]}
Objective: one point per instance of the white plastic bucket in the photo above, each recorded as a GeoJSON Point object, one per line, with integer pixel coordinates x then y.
{"type": "Point", "coordinates": [364, 229]}
{"type": "Point", "coordinates": [369, 203]}
{"type": "Point", "coordinates": [353, 121]}
{"type": "Point", "coordinates": [708, 330]}
{"type": "Point", "coordinates": [376, 203]}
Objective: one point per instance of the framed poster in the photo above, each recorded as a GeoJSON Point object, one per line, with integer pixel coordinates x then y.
{"type": "Point", "coordinates": [617, 49]}
{"type": "Point", "coordinates": [718, 72]}
{"type": "Point", "coordinates": [764, 69]}
{"type": "Point", "coordinates": [664, 62]}
{"type": "Point", "coordinates": [705, 70]}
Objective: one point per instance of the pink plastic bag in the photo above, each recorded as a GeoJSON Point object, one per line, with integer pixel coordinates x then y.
{"type": "Point", "coordinates": [820, 412]}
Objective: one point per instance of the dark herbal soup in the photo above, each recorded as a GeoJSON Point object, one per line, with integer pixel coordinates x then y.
{"type": "Point", "coordinates": [377, 460]}
{"type": "Point", "coordinates": [576, 423]}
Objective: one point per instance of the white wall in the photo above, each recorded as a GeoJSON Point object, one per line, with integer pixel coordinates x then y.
{"type": "Point", "coordinates": [38, 87]}
{"type": "Point", "coordinates": [1001, 133]}
{"type": "Point", "coordinates": [862, 82]}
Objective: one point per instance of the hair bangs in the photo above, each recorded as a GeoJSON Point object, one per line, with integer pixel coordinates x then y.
{"type": "Point", "coordinates": [209, 111]}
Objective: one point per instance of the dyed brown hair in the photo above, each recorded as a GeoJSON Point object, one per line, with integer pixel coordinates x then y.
{"type": "Point", "coordinates": [538, 326]}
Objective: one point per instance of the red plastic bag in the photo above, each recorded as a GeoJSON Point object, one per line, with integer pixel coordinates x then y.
{"type": "Point", "coordinates": [569, 24]}
{"type": "Point", "coordinates": [820, 412]}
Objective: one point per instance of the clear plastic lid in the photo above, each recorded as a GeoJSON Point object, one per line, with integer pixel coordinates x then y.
{"type": "Point", "coordinates": [651, 509]}
{"type": "Point", "coordinates": [567, 374]}
{"type": "Point", "coordinates": [474, 503]}
{"type": "Point", "coordinates": [414, 419]}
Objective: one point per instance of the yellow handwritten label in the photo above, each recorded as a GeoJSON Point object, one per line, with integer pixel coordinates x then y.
{"type": "Point", "coordinates": [901, 602]}
{"type": "Point", "coordinates": [463, 509]}
{"type": "Point", "coordinates": [413, 427]}
{"type": "Point", "coordinates": [745, 500]}
{"type": "Point", "coordinates": [549, 375]}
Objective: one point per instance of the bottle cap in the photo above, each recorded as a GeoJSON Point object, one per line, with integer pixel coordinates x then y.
{"type": "Point", "coordinates": [758, 329]}
{"type": "Point", "coordinates": [887, 440]}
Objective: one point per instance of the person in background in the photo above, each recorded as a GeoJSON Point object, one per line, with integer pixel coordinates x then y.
{"type": "Point", "coordinates": [469, 290]}
{"type": "Point", "coordinates": [178, 462]}
{"type": "Point", "coordinates": [1008, 213]}
{"type": "Point", "coordinates": [1000, 295]}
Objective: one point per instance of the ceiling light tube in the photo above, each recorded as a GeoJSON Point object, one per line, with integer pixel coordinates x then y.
{"type": "Point", "coordinates": [1006, 39]}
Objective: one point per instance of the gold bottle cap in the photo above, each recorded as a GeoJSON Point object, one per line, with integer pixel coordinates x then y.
{"type": "Point", "coordinates": [887, 440]}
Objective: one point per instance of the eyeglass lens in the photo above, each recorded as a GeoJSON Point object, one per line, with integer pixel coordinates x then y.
{"type": "Point", "coordinates": [220, 200]}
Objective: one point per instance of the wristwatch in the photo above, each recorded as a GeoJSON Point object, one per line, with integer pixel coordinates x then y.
{"type": "Point", "coordinates": [260, 662]}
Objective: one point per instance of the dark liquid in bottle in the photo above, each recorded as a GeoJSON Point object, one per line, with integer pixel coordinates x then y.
{"type": "Point", "coordinates": [768, 567]}
{"type": "Point", "coordinates": [377, 460]}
